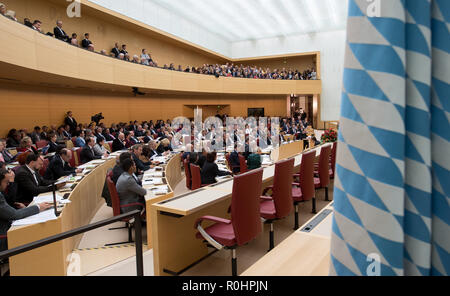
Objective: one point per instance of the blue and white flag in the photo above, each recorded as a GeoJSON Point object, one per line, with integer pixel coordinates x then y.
{"type": "Point", "coordinates": [392, 186]}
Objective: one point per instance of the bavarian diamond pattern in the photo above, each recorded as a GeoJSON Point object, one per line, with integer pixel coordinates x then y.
{"type": "Point", "coordinates": [392, 181]}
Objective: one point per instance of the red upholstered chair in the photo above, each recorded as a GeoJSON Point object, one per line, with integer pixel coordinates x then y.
{"type": "Point", "coordinates": [242, 164]}
{"type": "Point", "coordinates": [41, 144]}
{"type": "Point", "coordinates": [324, 170]}
{"type": "Point", "coordinates": [333, 160]}
{"type": "Point", "coordinates": [44, 167]}
{"type": "Point", "coordinates": [74, 141]}
{"type": "Point", "coordinates": [196, 178]}
{"type": "Point", "coordinates": [279, 205]}
{"type": "Point", "coordinates": [187, 173]}
{"type": "Point", "coordinates": [78, 154]}
{"type": "Point", "coordinates": [305, 189]}
{"type": "Point", "coordinates": [115, 204]}
{"type": "Point", "coordinates": [245, 222]}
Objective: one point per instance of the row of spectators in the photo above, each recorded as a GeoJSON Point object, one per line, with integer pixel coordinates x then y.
{"type": "Point", "coordinates": [120, 52]}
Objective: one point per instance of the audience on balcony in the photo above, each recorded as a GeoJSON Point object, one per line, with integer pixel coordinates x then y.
{"type": "Point", "coordinates": [227, 70]}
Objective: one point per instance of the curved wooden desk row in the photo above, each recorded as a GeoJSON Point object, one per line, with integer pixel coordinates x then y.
{"type": "Point", "coordinates": [85, 200]}
{"type": "Point", "coordinates": [26, 48]}
{"type": "Point", "coordinates": [174, 244]}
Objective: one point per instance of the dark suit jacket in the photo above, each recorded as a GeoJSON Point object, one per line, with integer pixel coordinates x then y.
{"type": "Point", "coordinates": [210, 171]}
{"type": "Point", "coordinates": [99, 136]}
{"type": "Point", "coordinates": [87, 154]}
{"type": "Point", "coordinates": [85, 43]}
{"type": "Point", "coordinates": [235, 164]}
{"type": "Point", "coordinates": [60, 34]}
{"type": "Point", "coordinates": [117, 145]}
{"type": "Point", "coordinates": [9, 214]}
{"type": "Point", "coordinates": [72, 123]}
{"type": "Point", "coordinates": [56, 169]}
{"type": "Point", "coordinates": [53, 147]}
{"type": "Point", "coordinates": [116, 52]}
{"type": "Point", "coordinates": [140, 165]}
{"type": "Point", "coordinates": [27, 188]}
{"type": "Point", "coordinates": [117, 171]}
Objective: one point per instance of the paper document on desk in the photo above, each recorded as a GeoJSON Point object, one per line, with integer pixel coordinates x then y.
{"type": "Point", "coordinates": [38, 218]}
{"type": "Point", "coordinates": [97, 161]}
{"type": "Point", "coordinates": [149, 174]}
{"type": "Point", "coordinates": [62, 180]}
{"type": "Point", "coordinates": [47, 197]}
{"type": "Point", "coordinates": [88, 165]}
{"type": "Point", "coordinates": [161, 189]}
{"type": "Point", "coordinates": [222, 178]}
{"type": "Point", "coordinates": [152, 181]}
{"type": "Point", "coordinates": [160, 159]}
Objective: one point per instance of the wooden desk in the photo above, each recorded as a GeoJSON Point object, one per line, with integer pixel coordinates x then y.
{"type": "Point", "coordinates": [51, 260]}
{"type": "Point", "coordinates": [301, 254]}
{"type": "Point", "coordinates": [172, 173]}
{"type": "Point", "coordinates": [173, 234]}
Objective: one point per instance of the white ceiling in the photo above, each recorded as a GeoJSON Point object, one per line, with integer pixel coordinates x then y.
{"type": "Point", "coordinates": [238, 20]}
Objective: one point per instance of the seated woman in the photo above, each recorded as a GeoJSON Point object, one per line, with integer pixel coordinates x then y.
{"type": "Point", "coordinates": [26, 145]}
{"type": "Point", "coordinates": [73, 40]}
{"type": "Point", "coordinates": [254, 160]}
{"type": "Point", "coordinates": [129, 188]}
{"type": "Point", "coordinates": [9, 214]}
{"type": "Point", "coordinates": [164, 147]}
{"type": "Point", "coordinates": [210, 170]}
{"type": "Point", "coordinates": [99, 149]}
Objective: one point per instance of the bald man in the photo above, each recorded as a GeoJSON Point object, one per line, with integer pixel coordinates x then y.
{"type": "Point", "coordinates": [60, 166]}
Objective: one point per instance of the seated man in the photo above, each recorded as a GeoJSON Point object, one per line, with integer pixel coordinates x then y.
{"type": "Point", "coordinates": [140, 165]}
{"type": "Point", "coordinates": [118, 169]}
{"type": "Point", "coordinates": [29, 183]}
{"type": "Point", "coordinates": [8, 214]}
{"type": "Point", "coordinates": [59, 166]}
{"type": "Point", "coordinates": [87, 154]}
{"type": "Point", "coordinates": [210, 170]}
{"type": "Point", "coordinates": [234, 161]}
{"type": "Point", "coordinates": [52, 145]}
{"type": "Point", "coordinates": [129, 189]}
{"type": "Point", "coordinates": [119, 143]}
{"type": "Point", "coordinates": [59, 32]}
{"type": "Point", "coordinates": [86, 43]}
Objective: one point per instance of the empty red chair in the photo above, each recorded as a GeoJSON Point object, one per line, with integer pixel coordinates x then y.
{"type": "Point", "coordinates": [245, 222]}
{"type": "Point", "coordinates": [305, 189]}
{"type": "Point", "coordinates": [242, 164]}
{"type": "Point", "coordinates": [187, 173]}
{"type": "Point", "coordinates": [41, 144]}
{"type": "Point", "coordinates": [44, 167]}
{"type": "Point", "coordinates": [324, 170]}
{"type": "Point", "coordinates": [279, 205]}
{"type": "Point", "coordinates": [196, 177]}
{"type": "Point", "coordinates": [78, 153]}
{"type": "Point", "coordinates": [115, 204]}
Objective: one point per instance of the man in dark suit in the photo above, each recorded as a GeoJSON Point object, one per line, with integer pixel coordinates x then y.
{"type": "Point", "coordinates": [59, 32]}
{"type": "Point", "coordinates": [70, 121]}
{"type": "Point", "coordinates": [87, 154]}
{"type": "Point", "coordinates": [86, 43]}
{"type": "Point", "coordinates": [119, 143]}
{"type": "Point", "coordinates": [98, 134]}
{"type": "Point", "coordinates": [9, 214]}
{"type": "Point", "coordinates": [59, 166]}
{"type": "Point", "coordinates": [140, 165]}
{"type": "Point", "coordinates": [29, 183]}
{"type": "Point", "coordinates": [108, 136]}
{"type": "Point", "coordinates": [116, 50]}
{"type": "Point", "coordinates": [118, 169]}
